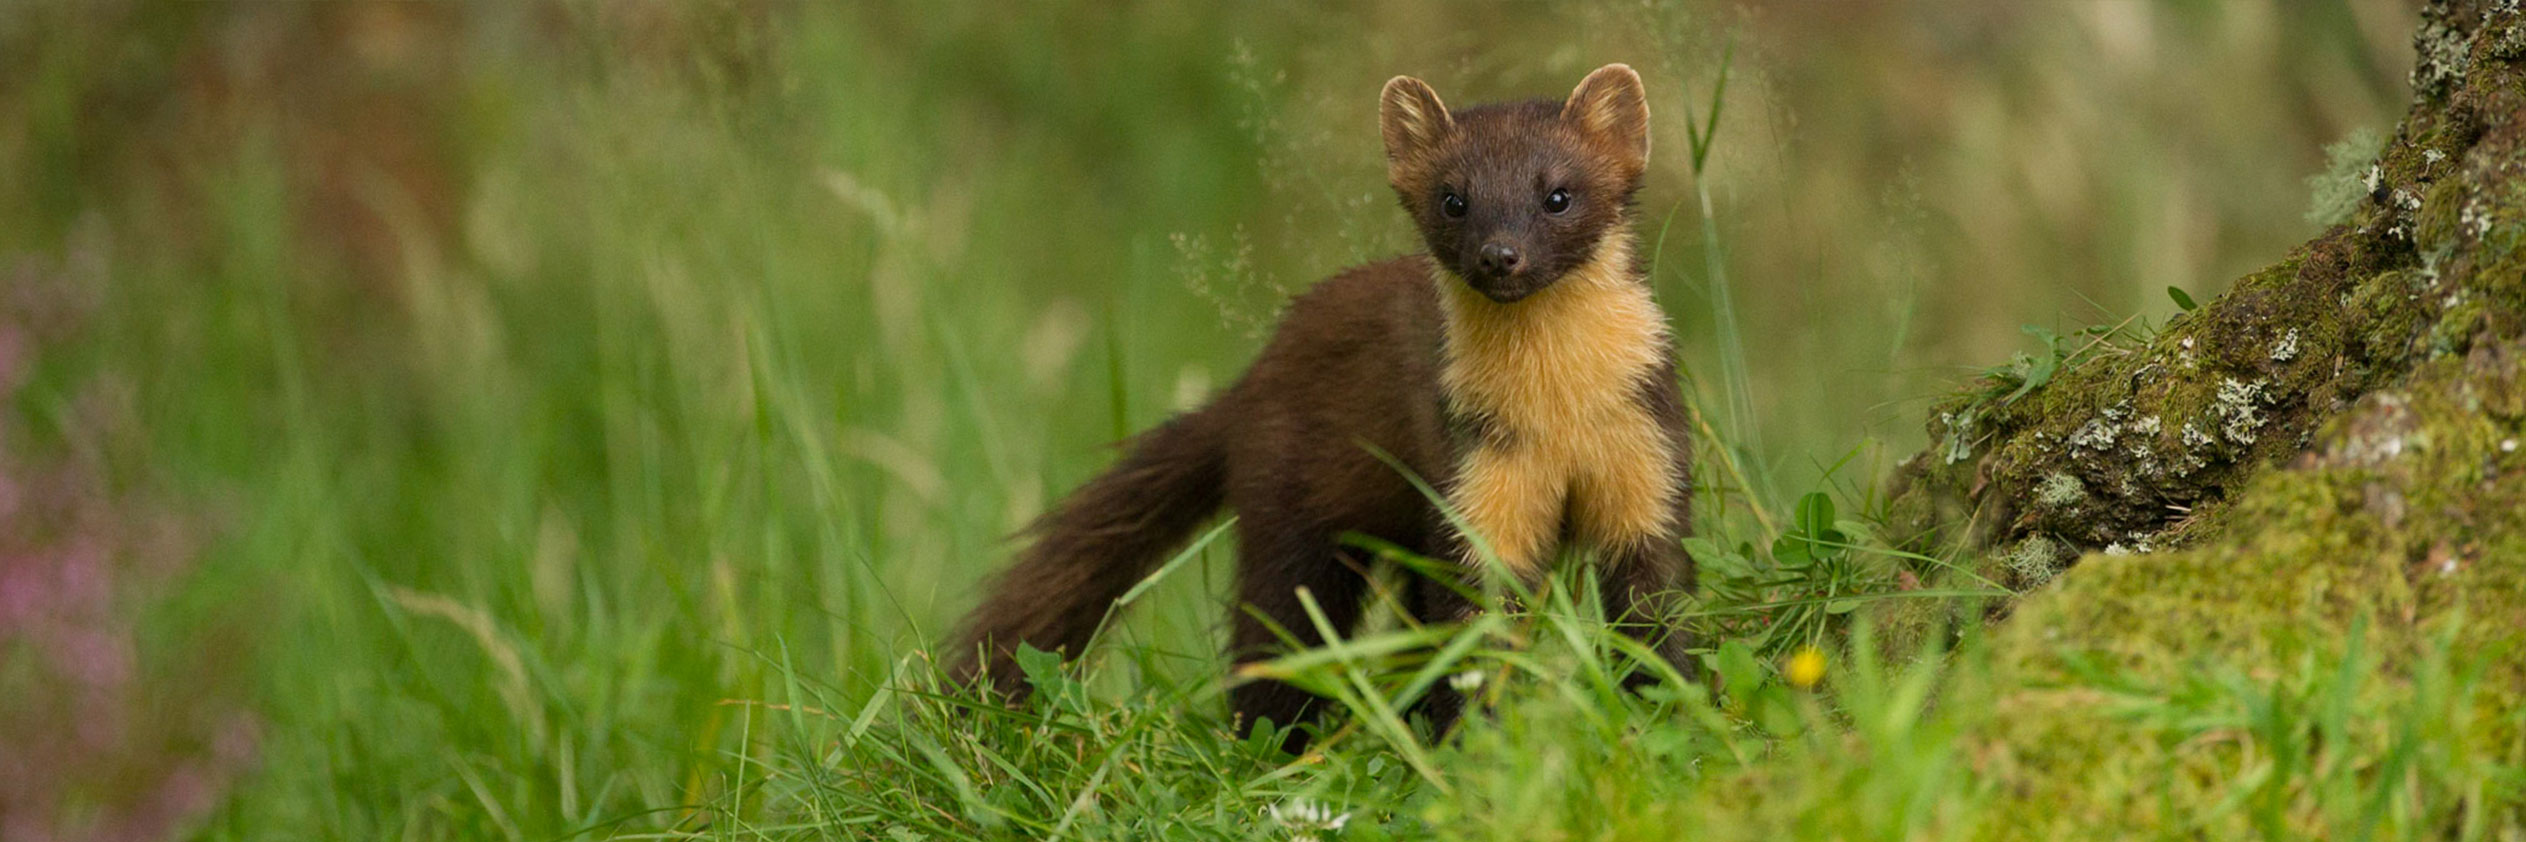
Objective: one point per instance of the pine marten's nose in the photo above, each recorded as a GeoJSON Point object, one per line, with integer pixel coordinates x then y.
{"type": "Point", "coordinates": [1498, 258]}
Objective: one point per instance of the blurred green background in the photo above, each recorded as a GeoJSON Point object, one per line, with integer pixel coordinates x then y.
{"type": "Point", "coordinates": [442, 421]}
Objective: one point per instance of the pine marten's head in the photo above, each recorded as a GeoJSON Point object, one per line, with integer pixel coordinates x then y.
{"type": "Point", "coordinates": [1511, 197]}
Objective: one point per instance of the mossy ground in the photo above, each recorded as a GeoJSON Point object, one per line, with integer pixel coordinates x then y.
{"type": "Point", "coordinates": [2400, 533]}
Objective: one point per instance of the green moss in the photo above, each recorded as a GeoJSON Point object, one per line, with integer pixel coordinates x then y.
{"type": "Point", "coordinates": [2161, 610]}
{"type": "Point", "coordinates": [2434, 228]}
{"type": "Point", "coordinates": [2384, 516]}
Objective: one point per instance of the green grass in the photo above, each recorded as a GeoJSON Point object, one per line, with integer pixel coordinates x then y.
{"type": "Point", "coordinates": [585, 418]}
{"type": "Point", "coordinates": [1884, 749]}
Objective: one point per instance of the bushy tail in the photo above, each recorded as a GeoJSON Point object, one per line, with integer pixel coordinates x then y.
{"type": "Point", "coordinates": [1092, 547]}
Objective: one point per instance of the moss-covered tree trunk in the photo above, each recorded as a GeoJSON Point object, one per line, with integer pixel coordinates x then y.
{"type": "Point", "coordinates": [2322, 472]}
{"type": "Point", "coordinates": [2137, 447]}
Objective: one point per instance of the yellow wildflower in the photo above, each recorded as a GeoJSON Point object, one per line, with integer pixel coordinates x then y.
{"type": "Point", "coordinates": [1805, 668]}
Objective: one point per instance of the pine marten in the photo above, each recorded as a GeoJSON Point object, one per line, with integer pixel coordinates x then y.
{"type": "Point", "coordinates": [1520, 366]}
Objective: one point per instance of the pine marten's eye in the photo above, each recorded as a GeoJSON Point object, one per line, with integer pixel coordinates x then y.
{"type": "Point", "coordinates": [1452, 204]}
{"type": "Point", "coordinates": [1557, 201]}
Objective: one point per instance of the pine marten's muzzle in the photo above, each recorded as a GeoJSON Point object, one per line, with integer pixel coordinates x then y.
{"type": "Point", "coordinates": [1503, 270]}
{"type": "Point", "coordinates": [1497, 259]}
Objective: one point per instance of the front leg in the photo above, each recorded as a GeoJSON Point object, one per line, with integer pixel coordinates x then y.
{"type": "Point", "coordinates": [1510, 498]}
{"type": "Point", "coordinates": [1433, 598]}
{"type": "Point", "coordinates": [1635, 513]}
{"type": "Point", "coordinates": [1642, 584]}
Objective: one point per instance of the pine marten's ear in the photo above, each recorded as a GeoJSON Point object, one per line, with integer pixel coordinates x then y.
{"type": "Point", "coordinates": [1412, 119]}
{"type": "Point", "coordinates": [1611, 108]}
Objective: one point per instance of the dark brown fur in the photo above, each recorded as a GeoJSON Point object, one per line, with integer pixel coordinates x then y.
{"type": "Point", "coordinates": [1354, 368]}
